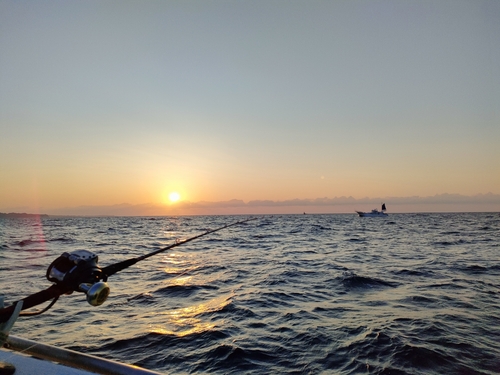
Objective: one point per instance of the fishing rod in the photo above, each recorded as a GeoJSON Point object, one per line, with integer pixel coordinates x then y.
{"type": "Point", "coordinates": [78, 271]}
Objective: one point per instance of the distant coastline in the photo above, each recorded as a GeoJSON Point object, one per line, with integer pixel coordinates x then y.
{"type": "Point", "coordinates": [21, 215]}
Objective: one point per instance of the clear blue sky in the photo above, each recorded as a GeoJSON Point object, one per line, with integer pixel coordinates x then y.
{"type": "Point", "coordinates": [113, 102]}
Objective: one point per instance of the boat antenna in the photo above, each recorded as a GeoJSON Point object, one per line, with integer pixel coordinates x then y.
{"type": "Point", "coordinates": [78, 271]}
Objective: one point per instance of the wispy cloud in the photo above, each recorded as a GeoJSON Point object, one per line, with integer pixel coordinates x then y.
{"type": "Point", "coordinates": [438, 203]}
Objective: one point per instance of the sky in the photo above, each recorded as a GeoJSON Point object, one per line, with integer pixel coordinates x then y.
{"type": "Point", "coordinates": [107, 107]}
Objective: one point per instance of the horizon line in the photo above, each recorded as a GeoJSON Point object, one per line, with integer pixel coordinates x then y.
{"type": "Point", "coordinates": [438, 203]}
{"type": "Point", "coordinates": [29, 215]}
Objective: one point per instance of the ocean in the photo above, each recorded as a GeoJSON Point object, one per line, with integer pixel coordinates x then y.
{"type": "Point", "coordinates": [284, 294]}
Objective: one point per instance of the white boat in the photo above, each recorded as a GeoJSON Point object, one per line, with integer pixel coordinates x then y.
{"type": "Point", "coordinates": [374, 212]}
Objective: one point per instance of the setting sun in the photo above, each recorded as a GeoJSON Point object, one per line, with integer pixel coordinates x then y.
{"type": "Point", "coordinates": [174, 196]}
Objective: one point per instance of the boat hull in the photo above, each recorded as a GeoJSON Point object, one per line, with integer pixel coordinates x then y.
{"type": "Point", "coordinates": [371, 214]}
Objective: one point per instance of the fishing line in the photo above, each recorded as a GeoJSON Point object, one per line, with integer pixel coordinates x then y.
{"type": "Point", "coordinates": [78, 271]}
{"type": "Point", "coordinates": [41, 311]}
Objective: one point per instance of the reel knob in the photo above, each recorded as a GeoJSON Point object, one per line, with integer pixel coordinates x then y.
{"type": "Point", "coordinates": [96, 293]}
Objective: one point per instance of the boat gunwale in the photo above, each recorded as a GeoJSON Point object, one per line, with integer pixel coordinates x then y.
{"type": "Point", "coordinates": [73, 358]}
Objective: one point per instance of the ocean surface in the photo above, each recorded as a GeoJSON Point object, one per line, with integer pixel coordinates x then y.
{"type": "Point", "coordinates": [291, 294]}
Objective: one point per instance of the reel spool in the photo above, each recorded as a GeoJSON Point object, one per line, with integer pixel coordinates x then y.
{"type": "Point", "coordinates": [78, 271]}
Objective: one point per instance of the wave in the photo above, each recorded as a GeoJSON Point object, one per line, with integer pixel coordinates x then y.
{"type": "Point", "coordinates": [351, 281]}
{"type": "Point", "coordinates": [181, 290]}
{"type": "Point", "coordinates": [411, 273]}
{"type": "Point", "coordinates": [29, 242]}
{"type": "Point", "coordinates": [24, 243]}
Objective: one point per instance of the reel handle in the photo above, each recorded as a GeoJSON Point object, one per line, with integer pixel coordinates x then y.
{"type": "Point", "coordinates": [96, 293]}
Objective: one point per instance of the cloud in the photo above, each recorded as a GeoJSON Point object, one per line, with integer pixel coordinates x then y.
{"type": "Point", "coordinates": [438, 203]}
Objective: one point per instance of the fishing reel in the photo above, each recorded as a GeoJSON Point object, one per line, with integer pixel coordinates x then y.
{"type": "Point", "coordinates": [78, 271]}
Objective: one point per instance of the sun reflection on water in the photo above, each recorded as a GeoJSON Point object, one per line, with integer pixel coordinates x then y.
{"type": "Point", "coordinates": [179, 281]}
{"type": "Point", "coordinates": [174, 258]}
{"type": "Point", "coordinates": [187, 320]}
{"type": "Point", "coordinates": [177, 263]}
